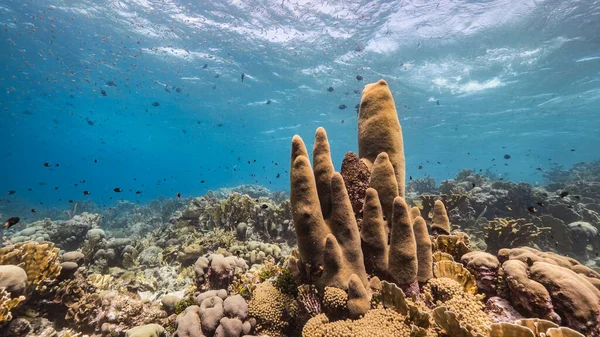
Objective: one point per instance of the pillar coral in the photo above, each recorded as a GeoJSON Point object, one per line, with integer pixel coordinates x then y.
{"type": "Point", "coordinates": [440, 223]}
{"type": "Point", "coordinates": [379, 130]}
{"type": "Point", "coordinates": [328, 237]}
{"type": "Point", "coordinates": [329, 242]}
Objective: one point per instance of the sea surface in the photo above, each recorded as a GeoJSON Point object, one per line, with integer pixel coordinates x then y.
{"type": "Point", "coordinates": [103, 101]}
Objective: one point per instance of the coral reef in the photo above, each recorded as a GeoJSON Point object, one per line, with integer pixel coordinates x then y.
{"type": "Point", "coordinates": [215, 314]}
{"type": "Point", "coordinates": [476, 257]}
{"type": "Point", "coordinates": [38, 260]}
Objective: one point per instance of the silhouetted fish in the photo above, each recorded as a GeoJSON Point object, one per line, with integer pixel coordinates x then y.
{"type": "Point", "coordinates": [118, 190]}
{"type": "Point", "coordinates": [342, 106]}
{"type": "Point", "coordinates": [155, 104]}
{"type": "Point", "coordinates": [359, 78]}
{"type": "Point", "coordinates": [11, 222]}
{"type": "Point", "coordinates": [330, 89]}
{"type": "Point", "coordinates": [563, 194]}
{"type": "Point", "coordinates": [102, 92]}
{"type": "Point", "coordinates": [243, 75]}
{"type": "Point", "coordinates": [111, 84]}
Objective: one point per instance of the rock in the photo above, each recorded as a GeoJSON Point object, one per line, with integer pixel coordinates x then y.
{"type": "Point", "coordinates": [241, 230]}
{"type": "Point", "coordinates": [229, 327]}
{"type": "Point", "coordinates": [96, 234]}
{"type": "Point", "coordinates": [169, 302]}
{"type": "Point", "coordinates": [149, 330]}
{"type": "Point", "coordinates": [188, 323]}
{"type": "Point", "coordinates": [67, 270]}
{"type": "Point", "coordinates": [211, 312]}
{"type": "Point", "coordinates": [151, 256]}
{"type": "Point", "coordinates": [74, 256]}
{"type": "Point", "coordinates": [18, 327]}
{"type": "Point", "coordinates": [236, 306]}
{"type": "Point", "coordinates": [14, 279]}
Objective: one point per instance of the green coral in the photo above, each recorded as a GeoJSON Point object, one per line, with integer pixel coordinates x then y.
{"type": "Point", "coordinates": [268, 270]}
{"type": "Point", "coordinates": [286, 283]}
{"type": "Point", "coordinates": [184, 303]}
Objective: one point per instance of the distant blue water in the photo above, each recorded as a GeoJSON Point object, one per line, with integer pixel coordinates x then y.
{"type": "Point", "coordinates": [511, 77]}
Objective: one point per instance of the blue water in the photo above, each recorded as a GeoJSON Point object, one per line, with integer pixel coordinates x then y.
{"type": "Point", "coordinates": [472, 80]}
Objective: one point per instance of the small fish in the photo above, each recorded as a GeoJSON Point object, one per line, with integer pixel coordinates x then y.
{"type": "Point", "coordinates": [11, 222]}
{"type": "Point", "coordinates": [268, 101]}
{"type": "Point", "coordinates": [437, 102]}
{"type": "Point", "coordinates": [264, 206]}
{"type": "Point", "coordinates": [216, 76]}
{"type": "Point", "coordinates": [356, 91]}
{"type": "Point", "coordinates": [178, 195]}
{"type": "Point", "coordinates": [11, 192]}
{"type": "Point", "coordinates": [420, 167]}
{"type": "Point", "coordinates": [243, 75]}
{"type": "Point", "coordinates": [82, 181]}
{"type": "Point", "coordinates": [278, 175]}
{"type": "Point", "coordinates": [532, 209]}
{"type": "Point", "coordinates": [86, 193]}
{"type": "Point", "coordinates": [330, 89]}
{"type": "Point", "coordinates": [342, 106]}
{"type": "Point", "coordinates": [111, 84]}
{"type": "Point", "coordinates": [90, 122]}
{"type": "Point", "coordinates": [138, 192]}
{"type": "Point", "coordinates": [155, 104]}
{"type": "Point", "coordinates": [47, 164]}
{"type": "Point", "coordinates": [563, 194]}
{"type": "Point", "coordinates": [118, 190]}
{"type": "Point", "coordinates": [410, 177]}
{"type": "Point", "coordinates": [167, 89]}
{"type": "Point", "coordinates": [33, 210]}
{"type": "Point", "coordinates": [507, 156]}
{"type": "Point", "coordinates": [178, 89]}
{"type": "Point", "coordinates": [539, 203]}
{"type": "Point", "coordinates": [577, 197]}
{"type": "Point", "coordinates": [102, 92]}
{"type": "Point", "coordinates": [359, 78]}
{"type": "Point", "coordinates": [205, 66]}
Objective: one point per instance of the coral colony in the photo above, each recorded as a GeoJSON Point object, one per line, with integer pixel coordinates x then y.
{"type": "Point", "coordinates": [354, 253]}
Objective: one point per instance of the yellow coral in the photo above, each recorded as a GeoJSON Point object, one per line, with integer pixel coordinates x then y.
{"type": "Point", "coordinates": [458, 273]}
{"type": "Point", "coordinates": [39, 260]}
{"type": "Point", "coordinates": [334, 300]}
{"type": "Point", "coordinates": [375, 323]}
{"type": "Point", "coordinates": [7, 304]}
{"type": "Point", "coordinates": [271, 309]}
{"type": "Point", "coordinates": [468, 307]}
